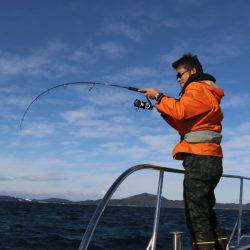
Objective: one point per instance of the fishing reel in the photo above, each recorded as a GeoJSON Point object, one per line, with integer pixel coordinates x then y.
{"type": "Point", "coordinates": [147, 105]}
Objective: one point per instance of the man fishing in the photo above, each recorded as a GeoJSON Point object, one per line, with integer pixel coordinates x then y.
{"type": "Point", "coordinates": [197, 116]}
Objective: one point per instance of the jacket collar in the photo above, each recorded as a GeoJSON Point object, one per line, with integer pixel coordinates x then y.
{"type": "Point", "coordinates": [196, 78]}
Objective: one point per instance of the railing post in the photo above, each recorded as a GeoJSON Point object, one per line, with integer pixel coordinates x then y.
{"type": "Point", "coordinates": [232, 233]}
{"type": "Point", "coordinates": [240, 211]}
{"type": "Point", "coordinates": [177, 240]}
{"type": "Point", "coordinates": [157, 211]}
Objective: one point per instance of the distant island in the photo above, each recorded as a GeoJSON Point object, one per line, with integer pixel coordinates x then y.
{"type": "Point", "coordinates": [140, 200]}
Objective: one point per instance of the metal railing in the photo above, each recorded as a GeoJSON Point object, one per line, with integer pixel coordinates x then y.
{"type": "Point", "coordinates": [152, 243]}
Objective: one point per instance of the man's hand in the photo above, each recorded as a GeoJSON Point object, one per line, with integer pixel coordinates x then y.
{"type": "Point", "coordinates": [151, 93]}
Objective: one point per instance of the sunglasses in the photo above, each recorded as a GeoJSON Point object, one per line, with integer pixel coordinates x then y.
{"type": "Point", "coordinates": [179, 74]}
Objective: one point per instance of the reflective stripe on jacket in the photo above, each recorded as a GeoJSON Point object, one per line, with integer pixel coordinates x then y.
{"type": "Point", "coordinates": [197, 109]}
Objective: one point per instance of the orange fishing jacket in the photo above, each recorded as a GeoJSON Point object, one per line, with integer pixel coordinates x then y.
{"type": "Point", "coordinates": [197, 109]}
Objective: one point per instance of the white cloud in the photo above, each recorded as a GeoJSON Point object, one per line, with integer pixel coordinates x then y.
{"type": "Point", "coordinates": [107, 130]}
{"type": "Point", "coordinates": [12, 100]}
{"type": "Point", "coordinates": [236, 148]}
{"type": "Point", "coordinates": [208, 49]}
{"type": "Point", "coordinates": [239, 142]}
{"type": "Point", "coordinates": [52, 176]}
{"type": "Point", "coordinates": [171, 22]}
{"type": "Point", "coordinates": [132, 74]}
{"type": "Point", "coordinates": [173, 54]}
{"type": "Point", "coordinates": [37, 129]}
{"type": "Point", "coordinates": [91, 52]}
{"type": "Point", "coordinates": [11, 89]}
{"type": "Point", "coordinates": [211, 51]}
{"type": "Point", "coordinates": [12, 65]}
{"type": "Point", "coordinates": [34, 63]}
{"type": "Point", "coordinates": [80, 114]}
{"type": "Point", "coordinates": [160, 142]}
{"type": "Point", "coordinates": [91, 115]}
{"type": "Point", "coordinates": [99, 121]}
{"type": "Point", "coordinates": [87, 54]}
{"type": "Point", "coordinates": [113, 49]}
{"type": "Point", "coordinates": [112, 145]}
{"type": "Point", "coordinates": [34, 178]}
{"type": "Point", "coordinates": [235, 100]}
{"type": "Point", "coordinates": [58, 59]}
{"type": "Point", "coordinates": [18, 167]}
{"type": "Point", "coordinates": [124, 30]}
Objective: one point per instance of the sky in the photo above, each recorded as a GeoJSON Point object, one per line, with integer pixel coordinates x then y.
{"type": "Point", "coordinates": [75, 142]}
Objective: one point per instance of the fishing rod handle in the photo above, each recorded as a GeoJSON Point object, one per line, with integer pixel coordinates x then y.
{"type": "Point", "coordinates": [133, 89]}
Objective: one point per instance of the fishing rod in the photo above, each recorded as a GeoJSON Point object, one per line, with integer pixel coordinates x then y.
{"type": "Point", "coordinates": [146, 105]}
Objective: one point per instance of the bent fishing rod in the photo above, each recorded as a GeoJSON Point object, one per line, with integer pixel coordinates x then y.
{"type": "Point", "coordinates": [146, 105]}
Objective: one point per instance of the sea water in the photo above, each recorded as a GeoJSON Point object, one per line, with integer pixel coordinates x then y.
{"type": "Point", "coordinates": [61, 226]}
